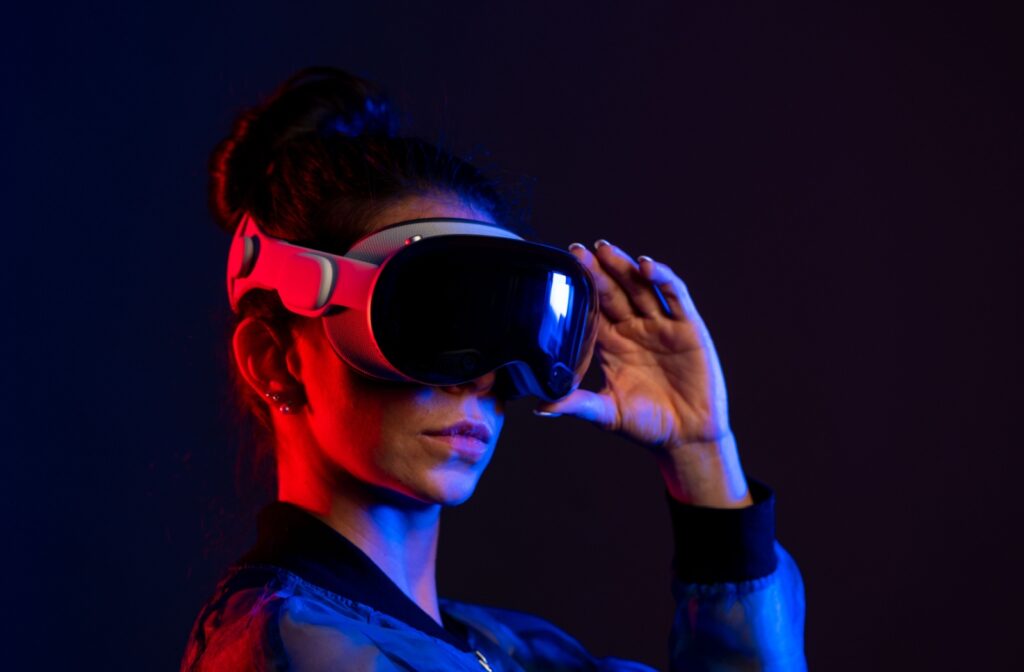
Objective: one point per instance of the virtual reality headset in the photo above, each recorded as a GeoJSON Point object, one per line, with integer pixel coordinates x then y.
{"type": "Point", "coordinates": [436, 302]}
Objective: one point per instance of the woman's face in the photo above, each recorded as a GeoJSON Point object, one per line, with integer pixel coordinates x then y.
{"type": "Point", "coordinates": [377, 430]}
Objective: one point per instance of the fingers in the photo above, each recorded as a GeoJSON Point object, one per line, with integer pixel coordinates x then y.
{"type": "Point", "coordinates": [672, 288]}
{"type": "Point", "coordinates": [627, 274]}
{"type": "Point", "coordinates": [591, 406]}
{"type": "Point", "coordinates": [629, 289]}
{"type": "Point", "coordinates": [613, 300]}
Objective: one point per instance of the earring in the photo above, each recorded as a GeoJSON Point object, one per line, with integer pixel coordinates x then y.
{"type": "Point", "coordinates": [287, 406]}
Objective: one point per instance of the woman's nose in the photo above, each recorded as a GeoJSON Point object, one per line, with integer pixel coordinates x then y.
{"type": "Point", "coordinates": [481, 385]}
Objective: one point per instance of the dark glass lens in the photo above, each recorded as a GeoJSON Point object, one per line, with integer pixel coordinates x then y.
{"type": "Point", "coordinates": [449, 309]}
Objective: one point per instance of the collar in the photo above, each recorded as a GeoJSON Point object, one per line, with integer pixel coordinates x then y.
{"type": "Point", "coordinates": [297, 541]}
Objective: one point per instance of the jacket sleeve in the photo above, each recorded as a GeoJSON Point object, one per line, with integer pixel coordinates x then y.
{"type": "Point", "coordinates": [739, 602]}
{"type": "Point", "coordinates": [739, 595]}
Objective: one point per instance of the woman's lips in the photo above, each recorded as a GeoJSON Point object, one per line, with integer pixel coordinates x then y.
{"type": "Point", "coordinates": [465, 428]}
{"type": "Point", "coordinates": [466, 439]}
{"type": "Point", "coordinates": [464, 447]}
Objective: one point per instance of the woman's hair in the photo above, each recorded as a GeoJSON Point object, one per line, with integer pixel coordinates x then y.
{"type": "Point", "coordinates": [313, 164]}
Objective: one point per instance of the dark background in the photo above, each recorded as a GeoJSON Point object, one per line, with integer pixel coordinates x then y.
{"type": "Point", "coordinates": [839, 185]}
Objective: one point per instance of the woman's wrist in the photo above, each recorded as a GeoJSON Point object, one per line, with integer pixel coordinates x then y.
{"type": "Point", "coordinates": [705, 473]}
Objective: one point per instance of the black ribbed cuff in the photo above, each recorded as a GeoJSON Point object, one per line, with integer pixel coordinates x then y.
{"type": "Point", "coordinates": [725, 545]}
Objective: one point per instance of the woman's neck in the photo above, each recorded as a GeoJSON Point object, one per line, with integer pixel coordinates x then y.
{"type": "Point", "coordinates": [399, 535]}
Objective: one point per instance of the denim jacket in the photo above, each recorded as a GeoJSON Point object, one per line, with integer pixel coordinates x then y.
{"type": "Point", "coordinates": [306, 599]}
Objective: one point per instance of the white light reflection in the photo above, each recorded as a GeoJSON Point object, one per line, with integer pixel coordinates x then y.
{"type": "Point", "coordinates": [558, 294]}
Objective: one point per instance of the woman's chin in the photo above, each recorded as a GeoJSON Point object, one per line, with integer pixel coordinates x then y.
{"type": "Point", "coordinates": [442, 489]}
{"type": "Point", "coordinates": [448, 489]}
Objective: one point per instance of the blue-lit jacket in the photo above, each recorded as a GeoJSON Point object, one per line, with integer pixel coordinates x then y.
{"type": "Point", "coordinates": [306, 599]}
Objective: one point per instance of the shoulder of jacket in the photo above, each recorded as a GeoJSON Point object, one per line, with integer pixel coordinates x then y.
{"type": "Point", "coordinates": [259, 615]}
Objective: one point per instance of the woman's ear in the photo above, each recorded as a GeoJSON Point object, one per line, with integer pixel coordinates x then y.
{"type": "Point", "coordinates": [263, 360]}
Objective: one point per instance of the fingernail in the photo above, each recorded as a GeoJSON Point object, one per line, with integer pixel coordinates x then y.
{"type": "Point", "coordinates": [546, 414]}
{"type": "Point", "coordinates": [644, 257]}
{"type": "Point", "coordinates": [577, 246]}
{"type": "Point", "coordinates": [601, 242]}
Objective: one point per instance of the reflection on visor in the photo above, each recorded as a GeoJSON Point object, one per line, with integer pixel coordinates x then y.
{"type": "Point", "coordinates": [559, 294]}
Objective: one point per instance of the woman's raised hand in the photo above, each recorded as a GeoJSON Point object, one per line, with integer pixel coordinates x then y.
{"type": "Point", "coordinates": [664, 387]}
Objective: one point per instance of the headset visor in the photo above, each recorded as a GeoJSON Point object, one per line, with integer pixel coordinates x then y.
{"type": "Point", "coordinates": [448, 309]}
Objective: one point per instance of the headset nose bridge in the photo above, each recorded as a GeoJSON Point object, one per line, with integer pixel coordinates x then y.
{"type": "Point", "coordinates": [480, 385]}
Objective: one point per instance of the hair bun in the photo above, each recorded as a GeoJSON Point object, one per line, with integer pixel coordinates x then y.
{"type": "Point", "coordinates": [376, 119]}
{"type": "Point", "coordinates": [331, 101]}
{"type": "Point", "coordinates": [314, 104]}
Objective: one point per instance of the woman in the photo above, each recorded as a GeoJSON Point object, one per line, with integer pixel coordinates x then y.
{"type": "Point", "coordinates": [342, 574]}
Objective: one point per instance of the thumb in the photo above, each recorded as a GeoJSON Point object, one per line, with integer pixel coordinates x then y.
{"type": "Point", "coordinates": [590, 406]}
